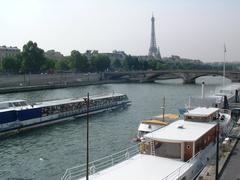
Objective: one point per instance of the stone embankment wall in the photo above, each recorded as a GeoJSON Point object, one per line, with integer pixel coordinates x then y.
{"type": "Point", "coordinates": [46, 79]}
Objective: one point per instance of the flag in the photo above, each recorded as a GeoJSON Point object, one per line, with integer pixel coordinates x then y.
{"type": "Point", "coordinates": [225, 50]}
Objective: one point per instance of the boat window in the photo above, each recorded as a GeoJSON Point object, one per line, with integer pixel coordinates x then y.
{"type": "Point", "coordinates": [16, 104]}
{"type": "Point", "coordinates": [23, 103]}
{"type": "Point", "coordinates": [10, 105]}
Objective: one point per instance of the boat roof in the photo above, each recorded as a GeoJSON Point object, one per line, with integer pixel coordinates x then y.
{"type": "Point", "coordinates": [235, 86]}
{"type": "Point", "coordinates": [155, 121]}
{"type": "Point", "coordinates": [72, 100]}
{"type": "Point", "coordinates": [181, 131]}
{"type": "Point", "coordinates": [146, 128]}
{"type": "Point", "coordinates": [201, 111]}
{"type": "Point", "coordinates": [12, 101]}
{"type": "Point", "coordinates": [167, 116]}
{"type": "Point", "coordinates": [140, 167]}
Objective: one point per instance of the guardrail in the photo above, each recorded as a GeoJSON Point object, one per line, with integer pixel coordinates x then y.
{"type": "Point", "coordinates": [180, 171]}
{"type": "Point", "coordinates": [100, 164]}
{"type": "Point", "coordinates": [196, 163]}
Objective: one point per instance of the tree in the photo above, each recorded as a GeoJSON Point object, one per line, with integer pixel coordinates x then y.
{"type": "Point", "coordinates": [152, 64]}
{"type": "Point", "coordinates": [49, 64]}
{"type": "Point", "coordinates": [11, 64]}
{"type": "Point", "coordinates": [33, 58]}
{"type": "Point", "coordinates": [116, 64]}
{"type": "Point", "coordinates": [143, 65]}
{"type": "Point", "coordinates": [63, 65]}
{"type": "Point", "coordinates": [99, 63]}
{"type": "Point", "coordinates": [79, 62]}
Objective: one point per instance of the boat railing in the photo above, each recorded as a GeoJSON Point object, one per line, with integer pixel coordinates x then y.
{"type": "Point", "coordinates": [180, 171]}
{"type": "Point", "coordinates": [197, 162]}
{"type": "Point", "coordinates": [225, 111]}
{"type": "Point", "coordinates": [100, 164]}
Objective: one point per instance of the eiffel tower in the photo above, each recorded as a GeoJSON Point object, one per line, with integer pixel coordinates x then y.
{"type": "Point", "coordinates": [153, 50]}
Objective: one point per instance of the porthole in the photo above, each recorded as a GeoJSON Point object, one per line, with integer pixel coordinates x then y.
{"type": "Point", "coordinates": [188, 146]}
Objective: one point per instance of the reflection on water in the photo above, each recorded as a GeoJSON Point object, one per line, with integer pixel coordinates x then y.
{"type": "Point", "coordinates": [45, 153]}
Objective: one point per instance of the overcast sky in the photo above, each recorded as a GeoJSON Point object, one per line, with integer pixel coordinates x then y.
{"type": "Point", "coordinates": [194, 29]}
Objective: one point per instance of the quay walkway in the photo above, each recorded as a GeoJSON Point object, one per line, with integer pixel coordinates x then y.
{"type": "Point", "coordinates": [232, 167]}
{"type": "Point", "coordinates": [229, 161]}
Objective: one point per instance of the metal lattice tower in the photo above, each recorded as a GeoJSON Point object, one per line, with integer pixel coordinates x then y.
{"type": "Point", "coordinates": [153, 50]}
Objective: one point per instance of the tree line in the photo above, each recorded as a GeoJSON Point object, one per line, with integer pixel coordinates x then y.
{"type": "Point", "coordinates": [32, 60]}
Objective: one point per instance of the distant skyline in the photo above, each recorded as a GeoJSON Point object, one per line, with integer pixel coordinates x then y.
{"type": "Point", "coordinates": [195, 29]}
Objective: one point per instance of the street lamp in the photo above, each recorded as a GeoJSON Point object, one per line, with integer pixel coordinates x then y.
{"type": "Point", "coordinates": [217, 149]}
{"type": "Point", "coordinates": [86, 100]}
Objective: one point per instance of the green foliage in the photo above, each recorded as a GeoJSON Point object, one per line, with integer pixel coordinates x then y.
{"type": "Point", "coordinates": [99, 63]}
{"type": "Point", "coordinates": [63, 65]}
{"type": "Point", "coordinates": [79, 62]}
{"type": "Point", "coordinates": [33, 58]}
{"type": "Point", "coordinates": [11, 64]}
{"type": "Point", "coordinates": [116, 64]}
{"type": "Point", "coordinates": [49, 64]}
{"type": "Point", "coordinates": [131, 63]}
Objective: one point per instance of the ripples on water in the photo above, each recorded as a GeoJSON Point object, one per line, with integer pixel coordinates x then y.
{"type": "Point", "coordinates": [47, 152]}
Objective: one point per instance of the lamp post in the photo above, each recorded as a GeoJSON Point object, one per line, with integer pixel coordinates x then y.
{"type": "Point", "coordinates": [87, 163]}
{"type": "Point", "coordinates": [163, 109]}
{"type": "Point", "coordinates": [217, 149]}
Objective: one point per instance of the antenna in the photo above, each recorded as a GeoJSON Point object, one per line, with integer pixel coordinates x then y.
{"type": "Point", "coordinates": [203, 93]}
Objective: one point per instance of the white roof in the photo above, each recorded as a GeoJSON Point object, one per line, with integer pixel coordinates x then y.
{"type": "Point", "coordinates": [191, 131]}
{"type": "Point", "coordinates": [148, 128]}
{"type": "Point", "coordinates": [73, 100]}
{"type": "Point", "coordinates": [201, 111]}
{"type": "Point", "coordinates": [140, 167]}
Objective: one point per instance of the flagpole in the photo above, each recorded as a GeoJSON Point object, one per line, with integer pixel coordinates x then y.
{"type": "Point", "coordinates": [224, 58]}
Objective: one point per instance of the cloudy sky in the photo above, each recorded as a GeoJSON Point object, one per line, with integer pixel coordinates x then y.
{"type": "Point", "coordinates": [194, 29]}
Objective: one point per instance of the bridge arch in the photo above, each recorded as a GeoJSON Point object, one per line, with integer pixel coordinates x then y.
{"type": "Point", "coordinates": [188, 76]}
{"type": "Point", "coordinates": [172, 75]}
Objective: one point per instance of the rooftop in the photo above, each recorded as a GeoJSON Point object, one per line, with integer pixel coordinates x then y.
{"type": "Point", "coordinates": [201, 111]}
{"type": "Point", "coordinates": [190, 131]}
{"type": "Point", "coordinates": [140, 167]}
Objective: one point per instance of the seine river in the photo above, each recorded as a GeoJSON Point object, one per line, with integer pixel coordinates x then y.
{"type": "Point", "coordinates": [45, 153]}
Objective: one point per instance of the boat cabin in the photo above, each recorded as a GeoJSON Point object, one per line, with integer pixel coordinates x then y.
{"type": "Point", "coordinates": [148, 126]}
{"type": "Point", "coordinates": [179, 140]}
{"type": "Point", "coordinates": [154, 123]}
{"type": "Point", "coordinates": [13, 104]}
{"type": "Point", "coordinates": [202, 114]}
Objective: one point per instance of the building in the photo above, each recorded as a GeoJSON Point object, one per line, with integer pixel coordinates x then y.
{"type": "Point", "coordinates": [121, 55]}
{"type": "Point", "coordinates": [90, 53]}
{"type": "Point", "coordinates": [52, 54]}
{"type": "Point", "coordinates": [8, 51]}
{"type": "Point", "coordinates": [154, 51]}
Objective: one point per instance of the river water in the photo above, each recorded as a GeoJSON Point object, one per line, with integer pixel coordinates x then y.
{"type": "Point", "coordinates": [47, 152]}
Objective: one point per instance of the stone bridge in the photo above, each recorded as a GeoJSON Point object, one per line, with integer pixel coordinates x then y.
{"type": "Point", "coordinates": [188, 76]}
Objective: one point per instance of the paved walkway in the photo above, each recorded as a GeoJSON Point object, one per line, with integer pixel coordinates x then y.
{"type": "Point", "coordinates": [232, 169]}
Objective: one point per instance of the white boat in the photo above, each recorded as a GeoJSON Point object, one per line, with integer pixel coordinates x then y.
{"type": "Point", "coordinates": [179, 150]}
{"type": "Point", "coordinates": [18, 115]}
{"type": "Point", "coordinates": [209, 115]}
{"type": "Point", "coordinates": [227, 94]}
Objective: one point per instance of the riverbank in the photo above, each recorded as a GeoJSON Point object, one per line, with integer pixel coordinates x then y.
{"type": "Point", "coordinates": [17, 89]}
